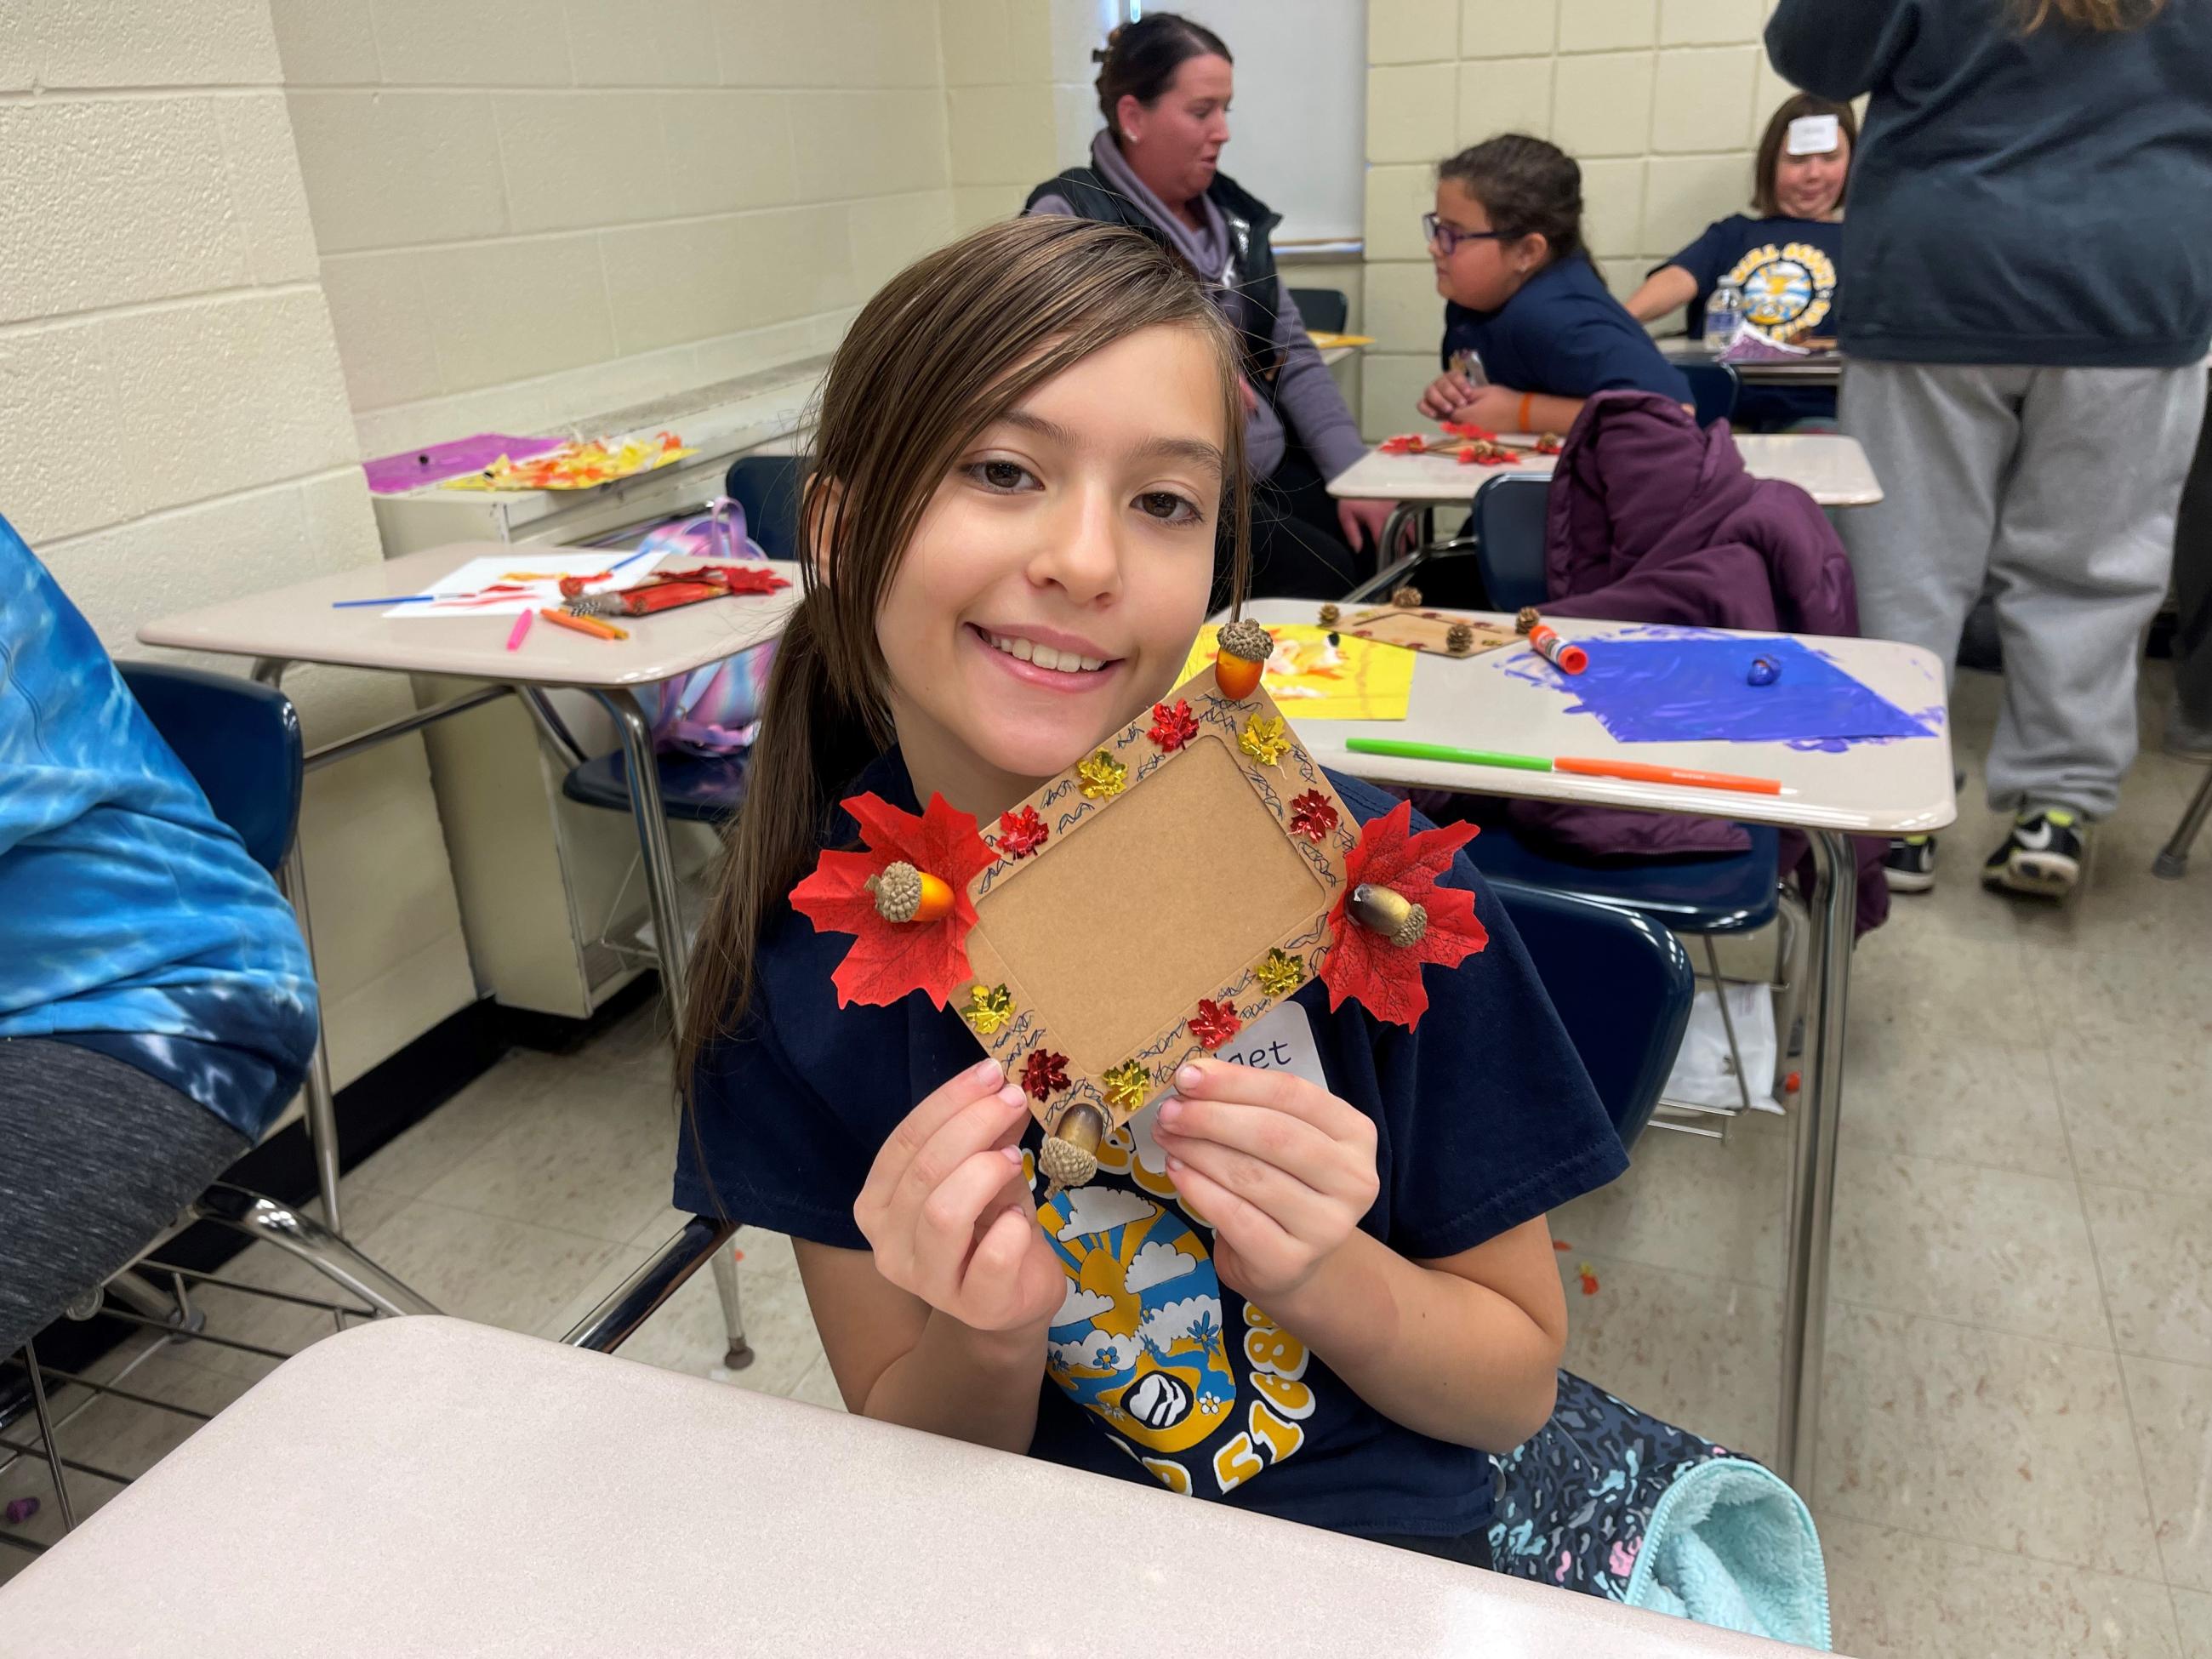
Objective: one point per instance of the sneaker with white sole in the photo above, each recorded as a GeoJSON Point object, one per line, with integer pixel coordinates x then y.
{"type": "Point", "coordinates": [2041, 856]}
{"type": "Point", "coordinates": [1909, 864]}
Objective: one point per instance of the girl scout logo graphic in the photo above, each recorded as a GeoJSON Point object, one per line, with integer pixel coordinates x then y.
{"type": "Point", "coordinates": [1787, 290]}
{"type": "Point", "coordinates": [1138, 1338]}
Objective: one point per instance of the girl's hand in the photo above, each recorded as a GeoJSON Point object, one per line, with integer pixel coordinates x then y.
{"type": "Point", "coordinates": [1446, 395]}
{"type": "Point", "coordinates": [1497, 407]}
{"type": "Point", "coordinates": [946, 1213]}
{"type": "Point", "coordinates": [1283, 1169]}
{"type": "Point", "coordinates": [1364, 522]}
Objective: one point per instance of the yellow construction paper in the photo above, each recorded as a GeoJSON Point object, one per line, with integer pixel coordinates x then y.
{"type": "Point", "coordinates": [1313, 680]}
{"type": "Point", "coordinates": [1323, 340]}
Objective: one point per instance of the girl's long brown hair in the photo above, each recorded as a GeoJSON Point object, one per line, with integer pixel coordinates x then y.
{"type": "Point", "coordinates": [945, 347]}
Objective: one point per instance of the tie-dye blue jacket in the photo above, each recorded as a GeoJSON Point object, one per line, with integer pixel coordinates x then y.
{"type": "Point", "coordinates": [132, 920]}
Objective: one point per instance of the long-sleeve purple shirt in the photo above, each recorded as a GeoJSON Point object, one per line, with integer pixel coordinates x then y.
{"type": "Point", "coordinates": [1305, 393]}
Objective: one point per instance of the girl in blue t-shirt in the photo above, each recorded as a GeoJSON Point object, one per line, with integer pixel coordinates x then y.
{"type": "Point", "coordinates": [1530, 329]}
{"type": "Point", "coordinates": [1785, 255]}
{"type": "Point", "coordinates": [1316, 1280]}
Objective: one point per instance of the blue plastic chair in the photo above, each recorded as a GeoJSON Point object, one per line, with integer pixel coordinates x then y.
{"type": "Point", "coordinates": [1507, 527]}
{"type": "Point", "coordinates": [1321, 309]}
{"type": "Point", "coordinates": [766, 487]}
{"type": "Point", "coordinates": [240, 740]}
{"type": "Point", "coordinates": [1713, 389]}
{"type": "Point", "coordinates": [1621, 984]}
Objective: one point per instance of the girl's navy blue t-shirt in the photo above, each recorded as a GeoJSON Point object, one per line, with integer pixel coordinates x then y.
{"type": "Point", "coordinates": [1564, 334]}
{"type": "Point", "coordinates": [1155, 1369]}
{"type": "Point", "coordinates": [1789, 272]}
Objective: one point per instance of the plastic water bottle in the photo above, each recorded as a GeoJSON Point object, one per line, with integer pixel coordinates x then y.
{"type": "Point", "coordinates": [1723, 317]}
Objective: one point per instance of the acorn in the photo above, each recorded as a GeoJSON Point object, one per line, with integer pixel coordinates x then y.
{"type": "Point", "coordinates": [1526, 618]}
{"type": "Point", "coordinates": [1069, 1155]}
{"type": "Point", "coordinates": [1329, 616]}
{"type": "Point", "coordinates": [1407, 598]}
{"type": "Point", "coordinates": [906, 894]}
{"type": "Point", "coordinates": [1245, 644]}
{"type": "Point", "coordinates": [1392, 915]}
{"type": "Point", "coordinates": [1459, 639]}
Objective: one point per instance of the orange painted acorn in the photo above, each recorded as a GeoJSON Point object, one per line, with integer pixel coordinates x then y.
{"type": "Point", "coordinates": [906, 894]}
{"type": "Point", "coordinates": [1245, 647]}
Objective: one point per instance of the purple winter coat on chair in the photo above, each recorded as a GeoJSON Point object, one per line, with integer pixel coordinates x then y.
{"type": "Point", "coordinates": [1654, 521]}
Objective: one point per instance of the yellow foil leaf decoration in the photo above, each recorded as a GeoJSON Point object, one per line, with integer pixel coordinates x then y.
{"type": "Point", "coordinates": [1102, 775]}
{"type": "Point", "coordinates": [1125, 1084]}
{"type": "Point", "coordinates": [1265, 741]}
{"type": "Point", "coordinates": [989, 1007]}
{"type": "Point", "coordinates": [1280, 975]}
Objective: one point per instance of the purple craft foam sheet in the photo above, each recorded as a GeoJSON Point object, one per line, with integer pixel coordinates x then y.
{"type": "Point", "coordinates": [1697, 689]}
{"type": "Point", "coordinates": [412, 469]}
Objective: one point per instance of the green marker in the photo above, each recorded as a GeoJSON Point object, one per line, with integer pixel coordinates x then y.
{"type": "Point", "coordinates": [1444, 752]}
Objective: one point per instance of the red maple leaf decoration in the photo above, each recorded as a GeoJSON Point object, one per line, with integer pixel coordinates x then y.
{"type": "Point", "coordinates": [889, 959]}
{"type": "Point", "coordinates": [1022, 833]}
{"type": "Point", "coordinates": [1172, 727]}
{"type": "Point", "coordinates": [1214, 1024]}
{"type": "Point", "coordinates": [1469, 429]}
{"type": "Point", "coordinates": [1312, 817]}
{"type": "Point", "coordinates": [1384, 978]}
{"type": "Point", "coordinates": [1045, 1074]}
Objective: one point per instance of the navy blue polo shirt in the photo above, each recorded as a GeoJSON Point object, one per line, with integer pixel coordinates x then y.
{"type": "Point", "coordinates": [1563, 334]}
{"type": "Point", "coordinates": [1156, 1371]}
{"type": "Point", "coordinates": [1789, 272]}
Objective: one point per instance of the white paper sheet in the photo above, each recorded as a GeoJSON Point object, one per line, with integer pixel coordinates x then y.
{"type": "Point", "coordinates": [1814, 135]}
{"type": "Point", "coordinates": [546, 565]}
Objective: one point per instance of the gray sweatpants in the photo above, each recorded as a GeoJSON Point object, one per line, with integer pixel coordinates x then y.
{"type": "Point", "coordinates": [96, 1156]}
{"type": "Point", "coordinates": [2059, 486]}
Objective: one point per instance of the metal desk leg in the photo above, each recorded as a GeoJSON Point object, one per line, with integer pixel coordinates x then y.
{"type": "Point", "coordinates": [1401, 513]}
{"type": "Point", "coordinates": [2172, 860]}
{"type": "Point", "coordinates": [322, 1106]}
{"type": "Point", "coordinates": [1812, 1195]}
{"type": "Point", "coordinates": [669, 943]}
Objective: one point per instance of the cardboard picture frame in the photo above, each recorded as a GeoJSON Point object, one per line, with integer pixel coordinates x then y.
{"type": "Point", "coordinates": [1156, 913]}
{"type": "Point", "coordinates": [1419, 629]}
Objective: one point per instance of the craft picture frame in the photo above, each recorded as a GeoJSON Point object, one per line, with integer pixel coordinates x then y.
{"type": "Point", "coordinates": [1196, 853]}
{"type": "Point", "coordinates": [1429, 630]}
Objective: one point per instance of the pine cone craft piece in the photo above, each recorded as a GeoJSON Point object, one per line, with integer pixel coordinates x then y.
{"type": "Point", "coordinates": [1381, 974]}
{"type": "Point", "coordinates": [848, 893]}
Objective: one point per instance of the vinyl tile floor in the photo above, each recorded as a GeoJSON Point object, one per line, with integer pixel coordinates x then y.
{"type": "Point", "coordinates": [2015, 1446]}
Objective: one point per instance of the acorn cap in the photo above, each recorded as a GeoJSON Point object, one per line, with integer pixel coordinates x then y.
{"type": "Point", "coordinates": [1458, 638]}
{"type": "Point", "coordinates": [897, 891]}
{"type": "Point", "coordinates": [1064, 1163]}
{"type": "Point", "coordinates": [1248, 639]}
{"type": "Point", "coordinates": [1392, 915]}
{"type": "Point", "coordinates": [1526, 619]}
{"type": "Point", "coordinates": [1408, 597]}
{"type": "Point", "coordinates": [1329, 614]}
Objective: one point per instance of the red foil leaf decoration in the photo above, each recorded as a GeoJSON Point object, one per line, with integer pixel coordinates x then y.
{"type": "Point", "coordinates": [890, 959]}
{"type": "Point", "coordinates": [1384, 978]}
{"type": "Point", "coordinates": [1312, 817]}
{"type": "Point", "coordinates": [1045, 1074]}
{"type": "Point", "coordinates": [1022, 833]}
{"type": "Point", "coordinates": [1172, 727]}
{"type": "Point", "coordinates": [1214, 1024]}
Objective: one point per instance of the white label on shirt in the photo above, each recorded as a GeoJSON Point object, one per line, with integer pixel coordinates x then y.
{"type": "Point", "coordinates": [1814, 135]}
{"type": "Point", "coordinates": [1281, 1040]}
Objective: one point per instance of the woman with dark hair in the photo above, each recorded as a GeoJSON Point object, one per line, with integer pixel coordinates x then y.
{"type": "Point", "coordinates": [1164, 84]}
{"type": "Point", "coordinates": [2025, 330]}
{"type": "Point", "coordinates": [1784, 255]}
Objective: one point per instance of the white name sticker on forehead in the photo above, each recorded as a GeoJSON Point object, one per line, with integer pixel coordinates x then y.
{"type": "Point", "coordinates": [1814, 135]}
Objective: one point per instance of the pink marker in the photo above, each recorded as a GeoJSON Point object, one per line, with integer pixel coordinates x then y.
{"type": "Point", "coordinates": [521, 627]}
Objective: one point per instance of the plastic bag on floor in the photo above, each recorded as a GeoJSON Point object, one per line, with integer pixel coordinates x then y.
{"type": "Point", "coordinates": [1704, 1073]}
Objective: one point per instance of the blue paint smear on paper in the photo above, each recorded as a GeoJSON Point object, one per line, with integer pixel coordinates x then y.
{"type": "Point", "coordinates": [1692, 688]}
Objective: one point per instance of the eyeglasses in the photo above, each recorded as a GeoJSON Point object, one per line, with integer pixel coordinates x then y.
{"type": "Point", "coordinates": [1444, 237]}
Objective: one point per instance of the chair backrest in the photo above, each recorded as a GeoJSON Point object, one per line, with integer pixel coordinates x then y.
{"type": "Point", "coordinates": [1509, 538]}
{"type": "Point", "coordinates": [240, 740]}
{"type": "Point", "coordinates": [766, 487]}
{"type": "Point", "coordinates": [1622, 986]}
{"type": "Point", "coordinates": [1713, 387]}
{"type": "Point", "coordinates": [1322, 308]}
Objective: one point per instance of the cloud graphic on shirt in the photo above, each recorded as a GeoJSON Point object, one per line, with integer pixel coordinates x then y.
{"type": "Point", "coordinates": [1100, 1350]}
{"type": "Point", "coordinates": [1173, 1320]}
{"type": "Point", "coordinates": [1143, 1145]}
{"type": "Point", "coordinates": [1157, 1263]}
{"type": "Point", "coordinates": [1100, 1210]}
{"type": "Point", "coordinates": [1080, 1307]}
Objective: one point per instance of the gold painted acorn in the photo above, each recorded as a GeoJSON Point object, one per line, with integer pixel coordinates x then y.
{"type": "Point", "coordinates": [1069, 1155]}
{"type": "Point", "coordinates": [1392, 915]}
{"type": "Point", "coordinates": [1245, 646]}
{"type": "Point", "coordinates": [1405, 598]}
{"type": "Point", "coordinates": [906, 894]}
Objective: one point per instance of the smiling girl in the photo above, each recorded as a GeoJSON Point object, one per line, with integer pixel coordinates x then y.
{"type": "Point", "coordinates": [1030, 446]}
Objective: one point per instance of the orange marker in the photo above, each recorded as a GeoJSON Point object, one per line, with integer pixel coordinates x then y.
{"type": "Point", "coordinates": [1637, 772]}
{"type": "Point", "coordinates": [591, 625]}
